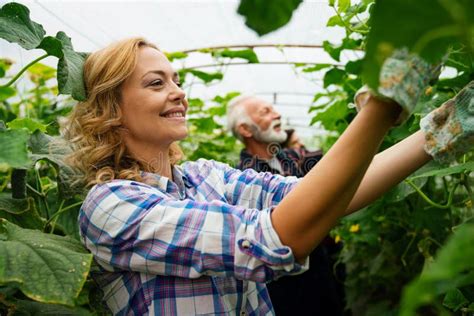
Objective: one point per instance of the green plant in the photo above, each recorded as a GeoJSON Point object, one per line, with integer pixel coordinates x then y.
{"type": "Point", "coordinates": [395, 241]}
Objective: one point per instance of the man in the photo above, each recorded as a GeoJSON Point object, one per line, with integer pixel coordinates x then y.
{"type": "Point", "coordinates": [256, 123]}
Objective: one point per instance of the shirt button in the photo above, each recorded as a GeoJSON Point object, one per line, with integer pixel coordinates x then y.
{"type": "Point", "coordinates": [246, 244]}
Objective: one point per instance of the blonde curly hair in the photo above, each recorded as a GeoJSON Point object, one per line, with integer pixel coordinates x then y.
{"type": "Point", "coordinates": [95, 127]}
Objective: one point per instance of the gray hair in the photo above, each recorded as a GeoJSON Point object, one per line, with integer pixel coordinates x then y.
{"type": "Point", "coordinates": [237, 114]}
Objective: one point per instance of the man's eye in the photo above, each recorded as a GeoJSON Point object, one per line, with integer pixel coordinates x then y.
{"type": "Point", "coordinates": [178, 83]}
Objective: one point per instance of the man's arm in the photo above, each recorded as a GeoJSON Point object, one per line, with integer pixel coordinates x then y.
{"type": "Point", "coordinates": [389, 168]}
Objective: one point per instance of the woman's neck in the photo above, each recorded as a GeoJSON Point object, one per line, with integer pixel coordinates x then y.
{"type": "Point", "coordinates": [153, 158]}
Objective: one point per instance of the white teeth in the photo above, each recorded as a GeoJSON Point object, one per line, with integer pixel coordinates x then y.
{"type": "Point", "coordinates": [175, 114]}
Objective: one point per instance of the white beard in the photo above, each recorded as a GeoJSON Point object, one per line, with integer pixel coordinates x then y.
{"type": "Point", "coordinates": [270, 135]}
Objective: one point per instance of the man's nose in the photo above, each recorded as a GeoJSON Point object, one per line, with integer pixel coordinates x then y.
{"type": "Point", "coordinates": [276, 115]}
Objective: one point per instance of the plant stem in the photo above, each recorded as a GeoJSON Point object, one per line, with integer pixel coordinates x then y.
{"type": "Point", "coordinates": [62, 210]}
{"type": "Point", "coordinates": [15, 78]}
{"type": "Point", "coordinates": [7, 179]}
{"type": "Point", "coordinates": [34, 191]}
{"type": "Point", "coordinates": [431, 202]}
{"type": "Point", "coordinates": [407, 248]}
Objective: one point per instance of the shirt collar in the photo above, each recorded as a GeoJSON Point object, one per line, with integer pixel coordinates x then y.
{"type": "Point", "coordinates": [177, 185]}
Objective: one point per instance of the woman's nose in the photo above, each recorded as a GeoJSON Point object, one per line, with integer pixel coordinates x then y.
{"type": "Point", "coordinates": [177, 93]}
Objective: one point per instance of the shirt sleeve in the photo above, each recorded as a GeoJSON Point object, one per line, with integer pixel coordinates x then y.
{"type": "Point", "coordinates": [247, 188]}
{"type": "Point", "coordinates": [132, 226]}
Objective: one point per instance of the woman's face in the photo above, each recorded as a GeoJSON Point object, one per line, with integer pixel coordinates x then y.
{"type": "Point", "coordinates": [153, 105]}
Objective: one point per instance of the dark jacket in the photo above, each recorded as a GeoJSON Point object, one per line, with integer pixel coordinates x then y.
{"type": "Point", "coordinates": [315, 292]}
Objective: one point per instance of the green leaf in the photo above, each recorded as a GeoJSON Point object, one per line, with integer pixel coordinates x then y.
{"type": "Point", "coordinates": [316, 67]}
{"type": "Point", "coordinates": [468, 166]}
{"type": "Point", "coordinates": [54, 149]}
{"type": "Point", "coordinates": [24, 307]}
{"type": "Point", "coordinates": [206, 76]}
{"type": "Point", "coordinates": [14, 153]}
{"type": "Point", "coordinates": [335, 51]}
{"type": "Point", "coordinates": [175, 55]}
{"type": "Point", "coordinates": [47, 268]}
{"type": "Point", "coordinates": [205, 124]}
{"type": "Point", "coordinates": [454, 300]}
{"type": "Point", "coordinates": [343, 5]}
{"type": "Point", "coordinates": [6, 92]}
{"type": "Point", "coordinates": [70, 70]}
{"type": "Point", "coordinates": [265, 16]}
{"type": "Point", "coordinates": [453, 268]}
{"type": "Point", "coordinates": [43, 71]}
{"type": "Point", "coordinates": [333, 116]}
{"type": "Point", "coordinates": [247, 54]}
{"type": "Point", "coordinates": [354, 66]}
{"type": "Point", "coordinates": [16, 26]}
{"type": "Point", "coordinates": [334, 76]}
{"type": "Point", "coordinates": [335, 21]}
{"type": "Point", "coordinates": [444, 25]}
{"type": "Point", "coordinates": [331, 50]}
{"type": "Point", "coordinates": [52, 46]}
{"type": "Point", "coordinates": [13, 206]}
{"type": "Point", "coordinates": [402, 190]}
{"type": "Point", "coordinates": [28, 123]}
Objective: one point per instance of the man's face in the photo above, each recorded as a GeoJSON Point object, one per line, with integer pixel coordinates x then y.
{"type": "Point", "coordinates": [267, 123]}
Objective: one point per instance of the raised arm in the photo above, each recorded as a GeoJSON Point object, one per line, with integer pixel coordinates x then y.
{"type": "Point", "coordinates": [310, 210]}
{"type": "Point", "coordinates": [389, 168]}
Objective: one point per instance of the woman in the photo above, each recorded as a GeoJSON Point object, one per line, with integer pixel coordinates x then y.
{"type": "Point", "coordinates": [203, 238]}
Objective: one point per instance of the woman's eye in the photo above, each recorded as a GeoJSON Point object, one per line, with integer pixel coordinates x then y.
{"type": "Point", "coordinates": [178, 83]}
{"type": "Point", "coordinates": [156, 83]}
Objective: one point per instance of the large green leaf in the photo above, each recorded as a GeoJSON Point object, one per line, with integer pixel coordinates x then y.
{"type": "Point", "coordinates": [31, 308]}
{"type": "Point", "coordinates": [45, 267]}
{"type": "Point", "coordinates": [453, 268]}
{"type": "Point", "coordinates": [16, 26]}
{"type": "Point", "coordinates": [454, 300]}
{"type": "Point", "coordinates": [444, 24]}
{"type": "Point", "coordinates": [52, 46]}
{"type": "Point", "coordinates": [402, 190]}
{"type": "Point", "coordinates": [55, 150]}
{"type": "Point", "coordinates": [265, 16]}
{"type": "Point", "coordinates": [70, 69]}
{"type": "Point", "coordinates": [14, 153]}
{"type": "Point", "coordinates": [13, 206]}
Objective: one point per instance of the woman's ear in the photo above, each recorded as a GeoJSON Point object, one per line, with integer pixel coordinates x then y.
{"type": "Point", "coordinates": [245, 130]}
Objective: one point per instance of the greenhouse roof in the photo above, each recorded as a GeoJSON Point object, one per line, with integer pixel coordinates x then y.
{"type": "Point", "coordinates": [185, 25]}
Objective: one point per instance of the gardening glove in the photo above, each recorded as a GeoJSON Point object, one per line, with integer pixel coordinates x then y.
{"type": "Point", "coordinates": [403, 78]}
{"type": "Point", "coordinates": [449, 129]}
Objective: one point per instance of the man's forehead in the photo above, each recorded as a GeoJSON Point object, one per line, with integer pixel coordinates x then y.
{"type": "Point", "coordinates": [256, 104]}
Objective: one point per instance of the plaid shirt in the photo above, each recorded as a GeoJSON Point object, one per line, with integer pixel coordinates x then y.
{"type": "Point", "coordinates": [203, 244]}
{"type": "Point", "coordinates": [294, 162]}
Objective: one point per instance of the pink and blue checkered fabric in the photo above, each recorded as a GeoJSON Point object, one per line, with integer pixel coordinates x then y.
{"type": "Point", "coordinates": [201, 244]}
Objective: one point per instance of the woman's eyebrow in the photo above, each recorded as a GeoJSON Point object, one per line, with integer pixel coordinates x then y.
{"type": "Point", "coordinates": [160, 72]}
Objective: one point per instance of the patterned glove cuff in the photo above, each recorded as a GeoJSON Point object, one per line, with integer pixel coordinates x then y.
{"type": "Point", "coordinates": [449, 130]}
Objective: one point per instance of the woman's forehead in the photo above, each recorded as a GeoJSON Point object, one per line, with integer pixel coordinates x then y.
{"type": "Point", "coordinates": [151, 59]}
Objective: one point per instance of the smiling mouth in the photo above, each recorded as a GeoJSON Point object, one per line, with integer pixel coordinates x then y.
{"type": "Point", "coordinates": [177, 113]}
{"type": "Point", "coordinates": [174, 114]}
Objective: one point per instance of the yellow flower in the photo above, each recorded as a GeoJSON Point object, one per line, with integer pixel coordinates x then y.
{"type": "Point", "coordinates": [337, 239]}
{"type": "Point", "coordinates": [469, 203]}
{"type": "Point", "coordinates": [354, 228]}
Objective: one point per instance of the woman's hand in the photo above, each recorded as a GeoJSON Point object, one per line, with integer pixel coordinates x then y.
{"type": "Point", "coordinates": [449, 130]}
